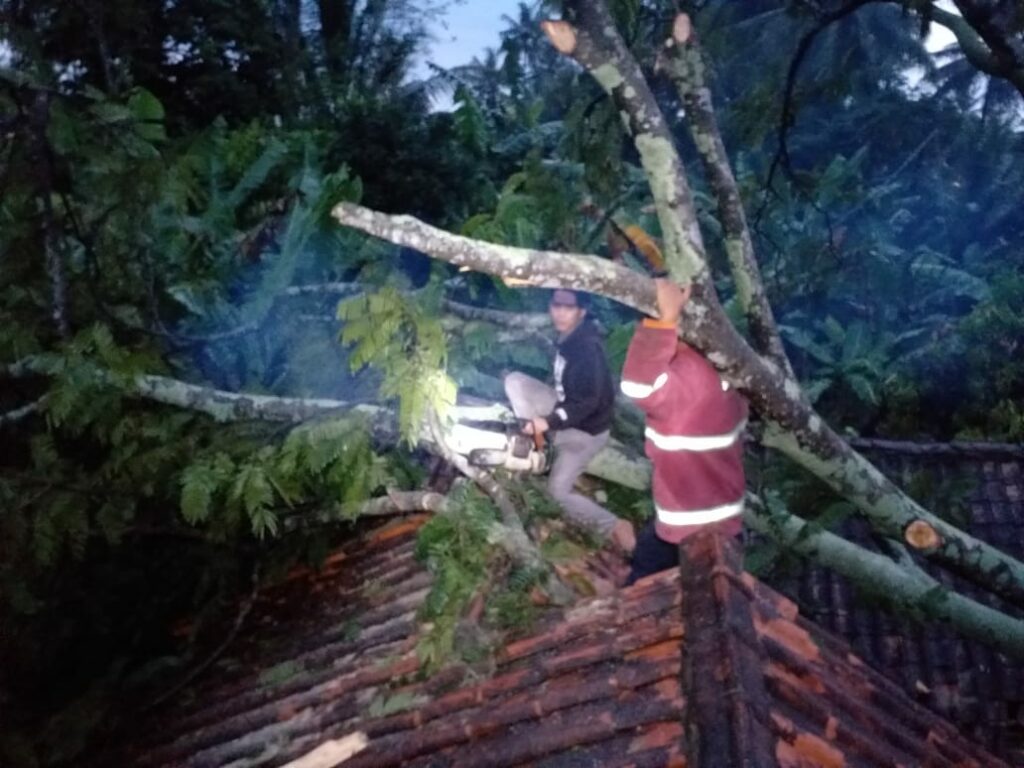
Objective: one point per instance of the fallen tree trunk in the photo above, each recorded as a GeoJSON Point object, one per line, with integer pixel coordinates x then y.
{"type": "Point", "coordinates": [903, 586]}
{"type": "Point", "coordinates": [219, 404]}
{"type": "Point", "coordinates": [394, 503]}
{"type": "Point", "coordinates": [615, 463]}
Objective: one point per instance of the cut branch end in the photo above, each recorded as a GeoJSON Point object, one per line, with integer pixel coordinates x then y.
{"type": "Point", "coordinates": [682, 28]}
{"type": "Point", "coordinates": [921, 535]}
{"type": "Point", "coordinates": [561, 34]}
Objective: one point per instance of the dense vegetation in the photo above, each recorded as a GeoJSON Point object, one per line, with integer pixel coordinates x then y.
{"type": "Point", "coordinates": [166, 174]}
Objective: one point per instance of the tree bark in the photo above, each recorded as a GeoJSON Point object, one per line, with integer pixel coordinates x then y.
{"type": "Point", "coordinates": [339, 289]}
{"type": "Point", "coordinates": [597, 46]}
{"type": "Point", "coordinates": [535, 322]}
{"type": "Point", "coordinates": [543, 269]}
{"type": "Point", "coordinates": [526, 321]}
{"type": "Point", "coordinates": [507, 335]}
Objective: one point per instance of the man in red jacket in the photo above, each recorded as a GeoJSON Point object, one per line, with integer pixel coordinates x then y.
{"type": "Point", "coordinates": [694, 436]}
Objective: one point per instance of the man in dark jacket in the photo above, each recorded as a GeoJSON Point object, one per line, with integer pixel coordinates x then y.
{"type": "Point", "coordinates": [578, 411]}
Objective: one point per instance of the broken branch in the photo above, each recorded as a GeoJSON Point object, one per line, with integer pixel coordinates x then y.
{"type": "Point", "coordinates": [687, 68]}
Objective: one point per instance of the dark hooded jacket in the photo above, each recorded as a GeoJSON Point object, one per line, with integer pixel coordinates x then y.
{"type": "Point", "coordinates": [583, 383]}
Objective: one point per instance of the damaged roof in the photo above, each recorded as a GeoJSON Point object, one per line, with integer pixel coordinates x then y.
{"type": "Point", "coordinates": [706, 655]}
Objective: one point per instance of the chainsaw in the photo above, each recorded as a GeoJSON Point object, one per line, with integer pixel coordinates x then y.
{"type": "Point", "coordinates": [494, 445]}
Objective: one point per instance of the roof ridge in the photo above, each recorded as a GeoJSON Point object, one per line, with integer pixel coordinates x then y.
{"type": "Point", "coordinates": [726, 703]}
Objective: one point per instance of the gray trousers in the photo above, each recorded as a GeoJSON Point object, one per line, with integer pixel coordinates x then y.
{"type": "Point", "coordinates": [574, 450]}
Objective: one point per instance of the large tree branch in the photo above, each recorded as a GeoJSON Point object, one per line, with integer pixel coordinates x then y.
{"type": "Point", "coordinates": [890, 511]}
{"type": "Point", "coordinates": [615, 463]}
{"type": "Point", "coordinates": [232, 406]}
{"type": "Point", "coordinates": [536, 322]}
{"type": "Point", "coordinates": [219, 404]}
{"type": "Point", "coordinates": [845, 471]}
{"type": "Point", "coordinates": [590, 38]}
{"type": "Point", "coordinates": [905, 588]}
{"type": "Point", "coordinates": [687, 68]}
{"type": "Point", "coordinates": [543, 269]}
{"type": "Point", "coordinates": [518, 320]}
{"type": "Point", "coordinates": [394, 503]}
{"type": "Point", "coordinates": [332, 289]}
{"type": "Point", "coordinates": [510, 335]}
{"type": "Point", "coordinates": [240, 406]}
{"type": "Point", "coordinates": [525, 321]}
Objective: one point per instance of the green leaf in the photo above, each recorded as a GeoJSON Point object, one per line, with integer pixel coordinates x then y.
{"type": "Point", "coordinates": [45, 538]}
{"type": "Point", "coordinates": [803, 341]}
{"type": "Point", "coordinates": [834, 331]}
{"type": "Point", "coordinates": [854, 342]}
{"type": "Point", "coordinates": [950, 280]}
{"type": "Point", "coordinates": [149, 114]}
{"type": "Point", "coordinates": [470, 123]}
{"type": "Point", "coordinates": [383, 705]}
{"type": "Point", "coordinates": [113, 519]}
{"type": "Point", "coordinates": [816, 389]}
{"type": "Point", "coordinates": [264, 521]}
{"type": "Point", "coordinates": [760, 558]}
{"type": "Point", "coordinates": [198, 484]}
{"type": "Point", "coordinates": [188, 296]}
{"type": "Point", "coordinates": [44, 452]}
{"type": "Point", "coordinates": [253, 488]}
{"type": "Point", "coordinates": [110, 112]}
{"type": "Point", "coordinates": [864, 388]}
{"type": "Point", "coordinates": [280, 673]}
{"type": "Point", "coordinates": [256, 174]}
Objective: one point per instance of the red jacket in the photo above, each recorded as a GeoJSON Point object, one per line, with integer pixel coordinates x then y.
{"type": "Point", "coordinates": [694, 433]}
